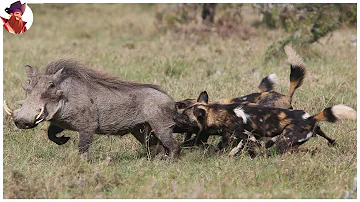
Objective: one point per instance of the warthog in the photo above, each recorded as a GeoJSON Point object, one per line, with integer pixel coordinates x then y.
{"type": "Point", "coordinates": [74, 97]}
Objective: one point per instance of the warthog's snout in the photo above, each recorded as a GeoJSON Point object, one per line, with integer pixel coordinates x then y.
{"type": "Point", "coordinates": [24, 124]}
{"type": "Point", "coordinates": [25, 120]}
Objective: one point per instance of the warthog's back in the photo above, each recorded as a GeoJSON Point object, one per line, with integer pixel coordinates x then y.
{"type": "Point", "coordinates": [122, 109]}
{"type": "Point", "coordinates": [107, 103]}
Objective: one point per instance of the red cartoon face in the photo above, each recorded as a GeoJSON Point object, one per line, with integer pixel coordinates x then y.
{"type": "Point", "coordinates": [19, 18]}
{"type": "Point", "coordinates": [17, 15]}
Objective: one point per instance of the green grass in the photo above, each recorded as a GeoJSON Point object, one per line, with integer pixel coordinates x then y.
{"type": "Point", "coordinates": [126, 44]}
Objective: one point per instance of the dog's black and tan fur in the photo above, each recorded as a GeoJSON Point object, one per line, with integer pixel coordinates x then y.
{"type": "Point", "coordinates": [267, 85]}
{"type": "Point", "coordinates": [265, 97]}
{"type": "Point", "coordinates": [287, 128]}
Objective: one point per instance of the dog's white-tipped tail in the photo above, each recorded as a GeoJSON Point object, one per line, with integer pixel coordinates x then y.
{"type": "Point", "coordinates": [273, 78]}
{"type": "Point", "coordinates": [297, 70]}
{"type": "Point", "coordinates": [343, 112]}
{"type": "Point", "coordinates": [334, 113]}
{"type": "Point", "coordinates": [268, 83]}
{"type": "Point", "coordinates": [293, 57]}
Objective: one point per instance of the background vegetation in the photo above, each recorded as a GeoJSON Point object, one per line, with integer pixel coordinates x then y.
{"type": "Point", "coordinates": [226, 58]}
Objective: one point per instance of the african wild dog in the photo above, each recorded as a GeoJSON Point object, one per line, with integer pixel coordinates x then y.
{"type": "Point", "coordinates": [287, 128]}
{"type": "Point", "coordinates": [265, 97]}
{"type": "Point", "coordinates": [267, 84]}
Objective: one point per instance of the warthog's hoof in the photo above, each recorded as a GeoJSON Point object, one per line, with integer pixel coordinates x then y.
{"type": "Point", "coordinates": [61, 140]}
{"type": "Point", "coordinates": [166, 157]}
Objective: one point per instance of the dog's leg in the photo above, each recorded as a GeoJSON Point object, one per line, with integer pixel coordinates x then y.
{"type": "Point", "coordinates": [199, 139]}
{"type": "Point", "coordinates": [290, 139]}
{"type": "Point", "coordinates": [318, 131]}
{"type": "Point", "coordinates": [187, 136]}
{"type": "Point", "coordinates": [236, 149]}
{"type": "Point", "coordinates": [271, 142]}
{"type": "Point", "coordinates": [224, 142]}
{"type": "Point", "coordinates": [252, 144]}
{"type": "Point", "coordinates": [202, 138]}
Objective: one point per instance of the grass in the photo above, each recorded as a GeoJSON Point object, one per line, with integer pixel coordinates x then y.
{"type": "Point", "coordinates": [128, 45]}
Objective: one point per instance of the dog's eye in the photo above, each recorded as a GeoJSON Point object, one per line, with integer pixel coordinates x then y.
{"type": "Point", "coordinates": [180, 105]}
{"type": "Point", "coordinates": [200, 114]}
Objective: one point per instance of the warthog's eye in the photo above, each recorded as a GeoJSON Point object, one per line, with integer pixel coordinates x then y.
{"type": "Point", "coordinates": [51, 85]}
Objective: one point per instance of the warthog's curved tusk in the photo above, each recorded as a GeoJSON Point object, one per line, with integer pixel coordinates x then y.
{"type": "Point", "coordinates": [61, 103]}
{"type": "Point", "coordinates": [7, 110]}
{"type": "Point", "coordinates": [41, 112]}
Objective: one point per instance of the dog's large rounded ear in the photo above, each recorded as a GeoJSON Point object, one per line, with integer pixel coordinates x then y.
{"type": "Point", "coordinates": [199, 113]}
{"type": "Point", "coordinates": [203, 97]}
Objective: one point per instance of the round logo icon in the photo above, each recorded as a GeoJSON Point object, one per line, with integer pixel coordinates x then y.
{"type": "Point", "coordinates": [17, 17]}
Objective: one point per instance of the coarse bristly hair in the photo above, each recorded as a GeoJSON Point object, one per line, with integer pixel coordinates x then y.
{"type": "Point", "coordinates": [75, 69]}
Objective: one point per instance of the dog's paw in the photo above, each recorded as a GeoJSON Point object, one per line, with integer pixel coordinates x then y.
{"type": "Point", "coordinates": [332, 144]}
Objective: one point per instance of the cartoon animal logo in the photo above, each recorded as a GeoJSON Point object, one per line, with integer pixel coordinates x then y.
{"type": "Point", "coordinates": [20, 18]}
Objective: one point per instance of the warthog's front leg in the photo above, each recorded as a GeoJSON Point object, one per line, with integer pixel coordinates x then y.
{"type": "Point", "coordinates": [52, 131]}
{"type": "Point", "coordinates": [85, 139]}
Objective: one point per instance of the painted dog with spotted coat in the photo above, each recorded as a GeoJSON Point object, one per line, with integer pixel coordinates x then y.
{"type": "Point", "coordinates": [265, 97]}
{"type": "Point", "coordinates": [287, 128]}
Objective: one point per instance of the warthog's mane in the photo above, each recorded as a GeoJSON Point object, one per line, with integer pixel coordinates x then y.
{"type": "Point", "coordinates": [91, 77]}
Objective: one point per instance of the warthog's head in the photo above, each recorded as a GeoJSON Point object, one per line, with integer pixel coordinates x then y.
{"type": "Point", "coordinates": [43, 99]}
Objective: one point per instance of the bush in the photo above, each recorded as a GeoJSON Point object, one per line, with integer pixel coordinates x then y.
{"type": "Point", "coordinates": [305, 24]}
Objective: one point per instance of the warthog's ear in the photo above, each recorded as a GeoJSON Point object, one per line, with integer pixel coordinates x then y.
{"type": "Point", "coordinates": [57, 76]}
{"type": "Point", "coordinates": [30, 71]}
{"type": "Point", "coordinates": [203, 97]}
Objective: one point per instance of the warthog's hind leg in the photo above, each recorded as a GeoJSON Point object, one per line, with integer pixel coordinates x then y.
{"type": "Point", "coordinates": [152, 144]}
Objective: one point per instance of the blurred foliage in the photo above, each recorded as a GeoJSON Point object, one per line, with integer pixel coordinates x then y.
{"type": "Point", "coordinates": [188, 19]}
{"type": "Point", "coordinates": [173, 16]}
{"type": "Point", "coordinates": [304, 24]}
